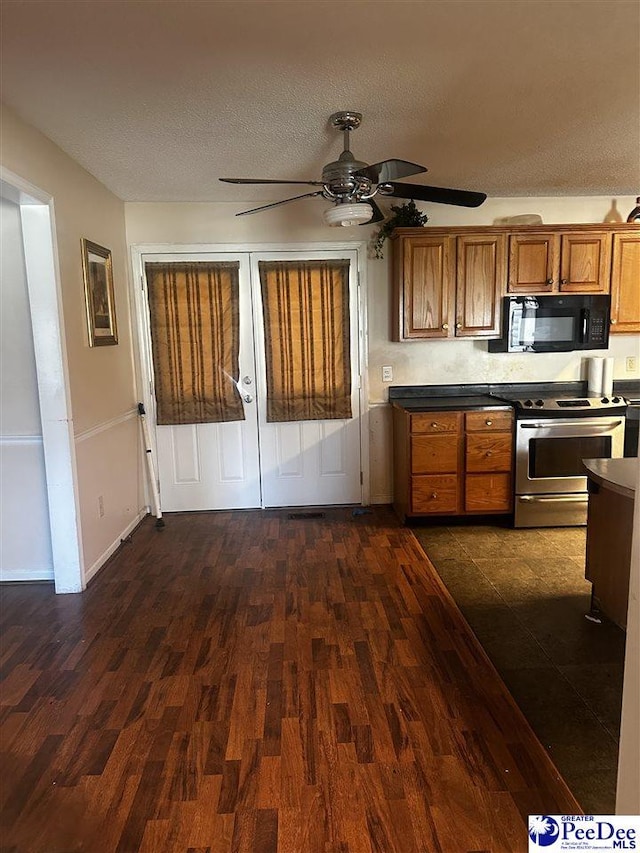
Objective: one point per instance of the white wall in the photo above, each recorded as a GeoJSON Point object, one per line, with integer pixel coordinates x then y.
{"type": "Point", "coordinates": [25, 550]}
{"type": "Point", "coordinates": [101, 380]}
{"type": "Point", "coordinates": [416, 362]}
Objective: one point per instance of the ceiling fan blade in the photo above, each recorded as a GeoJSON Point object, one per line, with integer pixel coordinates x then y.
{"type": "Point", "coordinates": [277, 203]}
{"type": "Point", "coordinates": [378, 215]}
{"type": "Point", "coordinates": [261, 181]}
{"type": "Point", "coordinates": [390, 170]}
{"type": "Point", "coordinates": [441, 195]}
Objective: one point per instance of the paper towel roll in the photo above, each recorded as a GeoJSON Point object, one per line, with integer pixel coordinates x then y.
{"type": "Point", "coordinates": [607, 377]}
{"type": "Point", "coordinates": [594, 380]}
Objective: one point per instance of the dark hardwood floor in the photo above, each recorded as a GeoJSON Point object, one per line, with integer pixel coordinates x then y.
{"type": "Point", "coordinates": [242, 681]}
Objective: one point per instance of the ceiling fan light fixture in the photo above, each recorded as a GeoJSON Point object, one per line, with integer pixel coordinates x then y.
{"type": "Point", "coordinates": [348, 214]}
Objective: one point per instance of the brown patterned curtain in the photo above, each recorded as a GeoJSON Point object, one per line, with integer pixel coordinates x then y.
{"type": "Point", "coordinates": [306, 325]}
{"type": "Point", "coordinates": [195, 332]}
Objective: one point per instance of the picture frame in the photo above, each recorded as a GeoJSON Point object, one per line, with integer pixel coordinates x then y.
{"type": "Point", "coordinates": [97, 272]}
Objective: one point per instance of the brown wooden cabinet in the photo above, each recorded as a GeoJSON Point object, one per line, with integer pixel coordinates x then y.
{"type": "Point", "coordinates": [453, 462]}
{"type": "Point", "coordinates": [448, 282]}
{"type": "Point", "coordinates": [447, 285]}
{"type": "Point", "coordinates": [625, 283]}
{"type": "Point", "coordinates": [424, 270]}
{"type": "Point", "coordinates": [488, 461]}
{"type": "Point", "coordinates": [559, 262]}
{"type": "Point", "coordinates": [480, 271]}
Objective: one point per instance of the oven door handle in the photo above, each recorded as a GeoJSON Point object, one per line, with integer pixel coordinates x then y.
{"type": "Point", "coordinates": [542, 499]}
{"type": "Point", "coordinates": [574, 424]}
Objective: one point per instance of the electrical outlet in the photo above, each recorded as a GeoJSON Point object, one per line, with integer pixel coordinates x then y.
{"type": "Point", "coordinates": [100, 506]}
{"type": "Point", "coordinates": [632, 364]}
{"type": "Point", "coordinates": [387, 373]}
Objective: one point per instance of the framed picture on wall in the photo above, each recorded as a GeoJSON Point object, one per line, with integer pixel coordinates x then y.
{"type": "Point", "coordinates": [98, 291]}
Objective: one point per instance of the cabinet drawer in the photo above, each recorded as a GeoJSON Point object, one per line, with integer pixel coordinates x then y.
{"type": "Point", "coordinates": [488, 421]}
{"type": "Point", "coordinates": [434, 494]}
{"type": "Point", "coordinates": [488, 452]}
{"type": "Point", "coordinates": [434, 454]}
{"type": "Point", "coordinates": [488, 493]}
{"type": "Point", "coordinates": [434, 422]}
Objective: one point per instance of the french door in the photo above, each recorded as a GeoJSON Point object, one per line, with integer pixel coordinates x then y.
{"type": "Point", "coordinates": [254, 461]}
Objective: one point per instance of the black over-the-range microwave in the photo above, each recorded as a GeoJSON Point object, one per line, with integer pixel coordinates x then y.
{"type": "Point", "coordinates": [554, 323]}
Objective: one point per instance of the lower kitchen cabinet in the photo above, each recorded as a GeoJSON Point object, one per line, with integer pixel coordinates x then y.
{"type": "Point", "coordinates": [453, 462]}
{"type": "Point", "coordinates": [488, 461]}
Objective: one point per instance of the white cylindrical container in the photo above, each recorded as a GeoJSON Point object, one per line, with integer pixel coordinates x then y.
{"type": "Point", "coordinates": [594, 377]}
{"type": "Point", "coordinates": [607, 377]}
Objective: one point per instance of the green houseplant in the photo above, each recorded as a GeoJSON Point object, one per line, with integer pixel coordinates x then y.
{"type": "Point", "coordinates": [404, 215]}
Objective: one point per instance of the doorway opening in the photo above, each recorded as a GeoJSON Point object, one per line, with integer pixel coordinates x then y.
{"type": "Point", "coordinates": [58, 452]}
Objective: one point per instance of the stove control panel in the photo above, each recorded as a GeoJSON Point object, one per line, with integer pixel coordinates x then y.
{"type": "Point", "coordinates": [571, 403]}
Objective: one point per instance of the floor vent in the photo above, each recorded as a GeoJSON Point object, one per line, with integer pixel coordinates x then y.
{"type": "Point", "coordinates": [304, 516]}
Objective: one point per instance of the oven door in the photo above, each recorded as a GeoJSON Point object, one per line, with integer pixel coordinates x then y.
{"type": "Point", "coordinates": [549, 452]}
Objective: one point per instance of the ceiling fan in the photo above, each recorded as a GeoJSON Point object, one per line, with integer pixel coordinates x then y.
{"type": "Point", "coordinates": [351, 184]}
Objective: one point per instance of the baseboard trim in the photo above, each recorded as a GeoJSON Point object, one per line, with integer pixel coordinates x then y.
{"type": "Point", "coordinates": [93, 570]}
{"type": "Point", "coordinates": [10, 575]}
{"type": "Point", "coordinates": [381, 499]}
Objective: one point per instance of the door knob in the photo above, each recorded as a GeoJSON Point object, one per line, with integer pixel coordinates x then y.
{"type": "Point", "coordinates": [247, 398]}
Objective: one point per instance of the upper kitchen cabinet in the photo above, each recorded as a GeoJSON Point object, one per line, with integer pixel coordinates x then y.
{"type": "Point", "coordinates": [625, 282]}
{"type": "Point", "coordinates": [448, 282]}
{"type": "Point", "coordinates": [423, 285]}
{"type": "Point", "coordinates": [533, 261]}
{"type": "Point", "coordinates": [447, 285]}
{"type": "Point", "coordinates": [480, 272]}
{"type": "Point", "coordinates": [559, 261]}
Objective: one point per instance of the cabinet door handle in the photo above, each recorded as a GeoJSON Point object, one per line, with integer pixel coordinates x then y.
{"type": "Point", "coordinates": [434, 424]}
{"type": "Point", "coordinates": [488, 423]}
{"type": "Point", "coordinates": [489, 453]}
{"type": "Point", "coordinates": [549, 281]}
{"type": "Point", "coordinates": [445, 325]}
{"type": "Point", "coordinates": [458, 325]}
{"type": "Point", "coordinates": [564, 280]}
{"type": "Point", "coordinates": [613, 321]}
{"type": "Point", "coordinates": [434, 495]}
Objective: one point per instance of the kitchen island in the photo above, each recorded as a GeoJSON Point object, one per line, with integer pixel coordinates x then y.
{"type": "Point", "coordinates": [612, 486]}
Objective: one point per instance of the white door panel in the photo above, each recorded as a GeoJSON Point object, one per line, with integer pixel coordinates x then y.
{"type": "Point", "coordinates": [207, 466]}
{"type": "Point", "coordinates": [309, 463]}
{"type": "Point", "coordinates": [214, 466]}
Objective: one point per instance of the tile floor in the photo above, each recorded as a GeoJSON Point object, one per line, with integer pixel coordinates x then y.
{"type": "Point", "coordinates": [524, 595]}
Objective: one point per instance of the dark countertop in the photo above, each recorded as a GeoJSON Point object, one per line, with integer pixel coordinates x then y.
{"type": "Point", "coordinates": [444, 403]}
{"type": "Point", "coordinates": [619, 475]}
{"type": "Point", "coordinates": [431, 398]}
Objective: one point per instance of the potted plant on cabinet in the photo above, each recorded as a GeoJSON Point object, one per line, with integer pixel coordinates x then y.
{"type": "Point", "coordinates": [404, 215]}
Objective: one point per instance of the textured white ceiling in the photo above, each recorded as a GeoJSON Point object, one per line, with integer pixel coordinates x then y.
{"type": "Point", "coordinates": [158, 98]}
